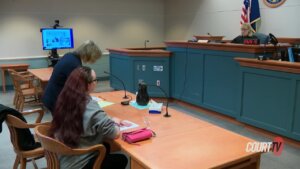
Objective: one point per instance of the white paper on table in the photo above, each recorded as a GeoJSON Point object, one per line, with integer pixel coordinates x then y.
{"type": "Point", "coordinates": [97, 99]}
{"type": "Point", "coordinates": [133, 125]}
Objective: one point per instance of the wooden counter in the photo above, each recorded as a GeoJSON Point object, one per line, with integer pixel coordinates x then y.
{"type": "Point", "coordinates": [269, 95]}
{"type": "Point", "coordinates": [149, 52]}
{"type": "Point", "coordinates": [231, 47]}
{"type": "Point", "coordinates": [292, 41]}
{"type": "Point", "coordinates": [182, 141]}
{"type": "Point", "coordinates": [283, 66]}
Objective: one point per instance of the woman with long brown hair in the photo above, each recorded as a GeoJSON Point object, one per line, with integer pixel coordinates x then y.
{"type": "Point", "coordinates": [78, 121]}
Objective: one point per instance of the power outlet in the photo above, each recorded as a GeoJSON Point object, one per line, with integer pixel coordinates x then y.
{"type": "Point", "coordinates": [158, 83]}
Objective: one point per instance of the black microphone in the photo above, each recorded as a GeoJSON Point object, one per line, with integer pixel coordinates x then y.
{"type": "Point", "coordinates": [125, 96]}
{"type": "Point", "coordinates": [167, 104]}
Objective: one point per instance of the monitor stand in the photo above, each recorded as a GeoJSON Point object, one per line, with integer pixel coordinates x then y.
{"type": "Point", "coordinates": [53, 58]}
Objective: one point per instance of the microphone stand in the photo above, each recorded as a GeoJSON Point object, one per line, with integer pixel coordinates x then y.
{"type": "Point", "coordinates": [125, 96]}
{"type": "Point", "coordinates": [167, 104]}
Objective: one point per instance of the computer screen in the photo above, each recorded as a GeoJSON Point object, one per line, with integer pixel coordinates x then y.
{"type": "Point", "coordinates": [61, 38]}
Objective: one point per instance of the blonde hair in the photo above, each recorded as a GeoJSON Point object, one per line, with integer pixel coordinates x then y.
{"type": "Point", "coordinates": [88, 52]}
{"type": "Point", "coordinates": [247, 27]}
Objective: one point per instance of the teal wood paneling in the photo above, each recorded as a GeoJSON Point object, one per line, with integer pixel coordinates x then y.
{"type": "Point", "coordinates": [133, 70]}
{"type": "Point", "coordinates": [220, 83]}
{"type": "Point", "coordinates": [270, 100]}
{"type": "Point", "coordinates": [266, 103]}
{"type": "Point", "coordinates": [296, 114]}
{"type": "Point", "coordinates": [144, 71]}
{"type": "Point", "coordinates": [178, 73]}
{"type": "Point", "coordinates": [206, 78]}
{"type": "Point", "coordinates": [192, 90]}
{"type": "Point", "coordinates": [122, 67]}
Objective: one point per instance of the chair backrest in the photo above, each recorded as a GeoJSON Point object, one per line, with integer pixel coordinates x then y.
{"type": "Point", "coordinates": [263, 38]}
{"type": "Point", "coordinates": [53, 148]}
{"type": "Point", "coordinates": [18, 80]}
{"type": "Point", "coordinates": [13, 123]}
{"type": "Point", "coordinates": [13, 74]}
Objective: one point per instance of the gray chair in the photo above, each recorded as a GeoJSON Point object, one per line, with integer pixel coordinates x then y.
{"type": "Point", "coordinates": [263, 38]}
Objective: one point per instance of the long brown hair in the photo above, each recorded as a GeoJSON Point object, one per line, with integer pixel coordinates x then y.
{"type": "Point", "coordinates": [67, 124]}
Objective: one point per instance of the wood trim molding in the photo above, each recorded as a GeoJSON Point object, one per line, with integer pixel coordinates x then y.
{"type": "Point", "coordinates": [282, 66]}
{"type": "Point", "coordinates": [149, 52]}
{"type": "Point", "coordinates": [207, 37]}
{"type": "Point", "coordinates": [227, 46]}
{"type": "Point", "coordinates": [293, 41]}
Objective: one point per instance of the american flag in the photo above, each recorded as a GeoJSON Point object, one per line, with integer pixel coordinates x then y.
{"type": "Point", "coordinates": [245, 11]}
{"type": "Point", "coordinates": [250, 13]}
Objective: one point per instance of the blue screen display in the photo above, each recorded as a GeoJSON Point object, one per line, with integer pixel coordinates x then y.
{"type": "Point", "coordinates": [61, 38]}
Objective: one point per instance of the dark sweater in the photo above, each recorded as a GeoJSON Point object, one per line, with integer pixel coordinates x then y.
{"type": "Point", "coordinates": [25, 138]}
{"type": "Point", "coordinates": [240, 39]}
{"type": "Point", "coordinates": [60, 74]}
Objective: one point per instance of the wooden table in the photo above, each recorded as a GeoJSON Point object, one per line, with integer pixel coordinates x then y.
{"type": "Point", "coordinates": [43, 74]}
{"type": "Point", "coordinates": [182, 141]}
{"type": "Point", "coordinates": [5, 67]}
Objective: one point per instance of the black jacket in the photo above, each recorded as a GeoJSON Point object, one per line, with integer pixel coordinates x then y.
{"type": "Point", "coordinates": [26, 140]}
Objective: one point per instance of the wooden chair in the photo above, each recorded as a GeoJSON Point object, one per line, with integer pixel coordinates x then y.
{"type": "Point", "coordinates": [23, 86]}
{"type": "Point", "coordinates": [25, 90]}
{"type": "Point", "coordinates": [22, 156]}
{"type": "Point", "coordinates": [53, 148]}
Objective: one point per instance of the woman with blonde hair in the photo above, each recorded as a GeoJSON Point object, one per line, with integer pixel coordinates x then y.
{"type": "Point", "coordinates": [88, 52]}
{"type": "Point", "coordinates": [246, 34]}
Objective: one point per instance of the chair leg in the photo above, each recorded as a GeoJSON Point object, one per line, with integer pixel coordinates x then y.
{"type": "Point", "coordinates": [23, 163]}
{"type": "Point", "coordinates": [17, 161]}
{"type": "Point", "coordinates": [21, 104]}
{"type": "Point", "coordinates": [15, 98]}
{"type": "Point", "coordinates": [18, 102]}
{"type": "Point", "coordinates": [34, 164]}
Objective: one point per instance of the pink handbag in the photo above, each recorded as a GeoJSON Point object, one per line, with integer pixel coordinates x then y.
{"type": "Point", "coordinates": [137, 135]}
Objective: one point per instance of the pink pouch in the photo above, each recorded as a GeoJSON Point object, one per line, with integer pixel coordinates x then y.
{"type": "Point", "coordinates": [137, 135]}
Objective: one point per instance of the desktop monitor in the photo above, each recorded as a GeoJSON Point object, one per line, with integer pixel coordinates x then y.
{"type": "Point", "coordinates": [61, 38]}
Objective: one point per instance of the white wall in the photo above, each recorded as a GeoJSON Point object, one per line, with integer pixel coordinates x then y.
{"type": "Point", "coordinates": [110, 23]}
{"type": "Point", "coordinates": [185, 18]}
{"type": "Point", "coordinates": [127, 23]}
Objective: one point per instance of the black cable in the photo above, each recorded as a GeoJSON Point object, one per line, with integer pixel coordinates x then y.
{"type": "Point", "coordinates": [185, 71]}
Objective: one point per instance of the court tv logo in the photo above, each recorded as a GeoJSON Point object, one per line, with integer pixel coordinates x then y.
{"type": "Point", "coordinates": [276, 146]}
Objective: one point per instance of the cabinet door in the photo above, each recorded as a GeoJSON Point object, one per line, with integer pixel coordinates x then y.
{"type": "Point", "coordinates": [178, 65]}
{"type": "Point", "coordinates": [121, 67]}
{"type": "Point", "coordinates": [187, 77]}
{"type": "Point", "coordinates": [153, 72]}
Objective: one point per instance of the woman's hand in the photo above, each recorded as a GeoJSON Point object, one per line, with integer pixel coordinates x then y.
{"type": "Point", "coordinates": [125, 123]}
{"type": "Point", "coordinates": [121, 122]}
